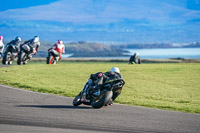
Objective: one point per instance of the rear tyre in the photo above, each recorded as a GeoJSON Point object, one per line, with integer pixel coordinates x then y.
{"type": "Point", "coordinates": [102, 99]}
{"type": "Point", "coordinates": [50, 59]}
{"type": "Point", "coordinates": [77, 100]}
{"type": "Point", "coordinates": [20, 58]}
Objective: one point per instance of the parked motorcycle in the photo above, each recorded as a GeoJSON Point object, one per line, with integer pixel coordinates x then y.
{"type": "Point", "coordinates": [88, 97]}
{"type": "Point", "coordinates": [52, 57]}
{"type": "Point", "coordinates": [9, 54]}
{"type": "Point", "coordinates": [24, 55]}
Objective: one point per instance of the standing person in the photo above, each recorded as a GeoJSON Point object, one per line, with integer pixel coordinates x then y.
{"type": "Point", "coordinates": [58, 49]}
{"type": "Point", "coordinates": [33, 44]}
{"type": "Point", "coordinates": [1, 45]}
{"type": "Point", "coordinates": [135, 59]}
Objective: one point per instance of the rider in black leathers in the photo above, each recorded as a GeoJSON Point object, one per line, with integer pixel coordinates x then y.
{"type": "Point", "coordinates": [16, 43]}
{"type": "Point", "coordinates": [135, 59]}
{"type": "Point", "coordinates": [97, 80]}
{"type": "Point", "coordinates": [34, 45]}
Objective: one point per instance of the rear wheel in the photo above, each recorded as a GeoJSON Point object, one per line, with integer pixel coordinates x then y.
{"type": "Point", "coordinates": [50, 60]}
{"type": "Point", "coordinates": [102, 99]}
{"type": "Point", "coordinates": [77, 100]}
{"type": "Point", "coordinates": [20, 58]}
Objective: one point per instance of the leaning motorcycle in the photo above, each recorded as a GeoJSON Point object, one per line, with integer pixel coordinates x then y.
{"type": "Point", "coordinates": [9, 54]}
{"type": "Point", "coordinates": [24, 55]}
{"type": "Point", "coordinates": [51, 59]}
{"type": "Point", "coordinates": [88, 97]}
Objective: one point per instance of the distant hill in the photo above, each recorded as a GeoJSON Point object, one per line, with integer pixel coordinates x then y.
{"type": "Point", "coordinates": [121, 21]}
{"type": "Point", "coordinates": [158, 45]}
{"type": "Point", "coordinates": [83, 49]}
{"type": "Point", "coordinates": [86, 49]}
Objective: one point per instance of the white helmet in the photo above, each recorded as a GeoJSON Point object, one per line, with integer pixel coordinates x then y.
{"type": "Point", "coordinates": [36, 39]}
{"type": "Point", "coordinates": [115, 69]}
{"type": "Point", "coordinates": [60, 42]}
{"type": "Point", "coordinates": [18, 39]}
{"type": "Point", "coordinates": [1, 38]}
{"type": "Point", "coordinates": [136, 54]}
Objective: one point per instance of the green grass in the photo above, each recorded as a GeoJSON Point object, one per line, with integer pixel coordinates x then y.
{"type": "Point", "coordinates": [173, 86]}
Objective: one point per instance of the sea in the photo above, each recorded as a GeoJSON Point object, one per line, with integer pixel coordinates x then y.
{"type": "Point", "coordinates": [165, 53]}
{"type": "Point", "coordinates": [188, 53]}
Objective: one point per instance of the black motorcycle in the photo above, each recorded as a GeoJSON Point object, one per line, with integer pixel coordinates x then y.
{"type": "Point", "coordinates": [24, 54]}
{"type": "Point", "coordinates": [51, 59]}
{"type": "Point", "coordinates": [88, 97]}
{"type": "Point", "coordinates": [9, 55]}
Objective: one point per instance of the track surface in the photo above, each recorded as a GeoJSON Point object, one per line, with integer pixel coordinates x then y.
{"type": "Point", "coordinates": [24, 111]}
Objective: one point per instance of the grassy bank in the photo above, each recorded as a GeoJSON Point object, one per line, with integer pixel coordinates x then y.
{"type": "Point", "coordinates": [172, 86]}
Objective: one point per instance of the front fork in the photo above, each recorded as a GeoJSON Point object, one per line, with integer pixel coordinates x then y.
{"type": "Point", "coordinates": [85, 91]}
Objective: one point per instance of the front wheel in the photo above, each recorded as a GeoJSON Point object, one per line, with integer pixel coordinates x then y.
{"type": "Point", "coordinates": [102, 99]}
{"type": "Point", "coordinates": [5, 59]}
{"type": "Point", "coordinates": [77, 100]}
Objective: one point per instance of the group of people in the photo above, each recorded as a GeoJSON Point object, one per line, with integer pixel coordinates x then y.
{"type": "Point", "coordinates": [33, 44]}
{"type": "Point", "coordinates": [96, 80]}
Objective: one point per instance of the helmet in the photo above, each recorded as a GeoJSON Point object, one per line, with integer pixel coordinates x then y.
{"type": "Point", "coordinates": [60, 42]}
{"type": "Point", "coordinates": [18, 39]}
{"type": "Point", "coordinates": [36, 39]}
{"type": "Point", "coordinates": [115, 69]}
{"type": "Point", "coordinates": [1, 38]}
{"type": "Point", "coordinates": [136, 54]}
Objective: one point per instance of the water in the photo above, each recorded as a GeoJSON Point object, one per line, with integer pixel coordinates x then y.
{"type": "Point", "coordinates": [189, 53]}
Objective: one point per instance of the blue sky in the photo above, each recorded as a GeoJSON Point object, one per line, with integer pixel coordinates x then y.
{"type": "Point", "coordinates": [103, 20]}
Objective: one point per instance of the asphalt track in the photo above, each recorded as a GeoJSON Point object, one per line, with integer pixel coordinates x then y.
{"type": "Point", "coordinates": [26, 111]}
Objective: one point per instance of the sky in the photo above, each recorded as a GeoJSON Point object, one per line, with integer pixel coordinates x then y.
{"type": "Point", "coordinates": [125, 21]}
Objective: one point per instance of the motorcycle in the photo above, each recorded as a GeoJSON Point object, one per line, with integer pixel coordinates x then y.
{"type": "Point", "coordinates": [99, 99]}
{"type": "Point", "coordinates": [9, 55]}
{"type": "Point", "coordinates": [24, 55]}
{"type": "Point", "coordinates": [52, 57]}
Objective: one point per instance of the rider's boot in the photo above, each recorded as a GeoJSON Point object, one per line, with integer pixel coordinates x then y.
{"type": "Point", "coordinates": [10, 62]}
{"type": "Point", "coordinates": [29, 56]}
{"type": "Point", "coordinates": [57, 58]}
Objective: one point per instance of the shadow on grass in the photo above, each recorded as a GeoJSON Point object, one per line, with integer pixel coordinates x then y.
{"type": "Point", "coordinates": [56, 106]}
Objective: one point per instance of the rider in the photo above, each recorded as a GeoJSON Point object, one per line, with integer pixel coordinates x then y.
{"type": "Point", "coordinates": [58, 49]}
{"type": "Point", "coordinates": [15, 43]}
{"type": "Point", "coordinates": [97, 80]}
{"type": "Point", "coordinates": [135, 59]}
{"type": "Point", "coordinates": [1, 45]}
{"type": "Point", "coordinates": [34, 45]}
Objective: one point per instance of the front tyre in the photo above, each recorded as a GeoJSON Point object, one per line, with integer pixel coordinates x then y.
{"type": "Point", "coordinates": [5, 59]}
{"type": "Point", "coordinates": [102, 99]}
{"type": "Point", "coordinates": [77, 100]}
